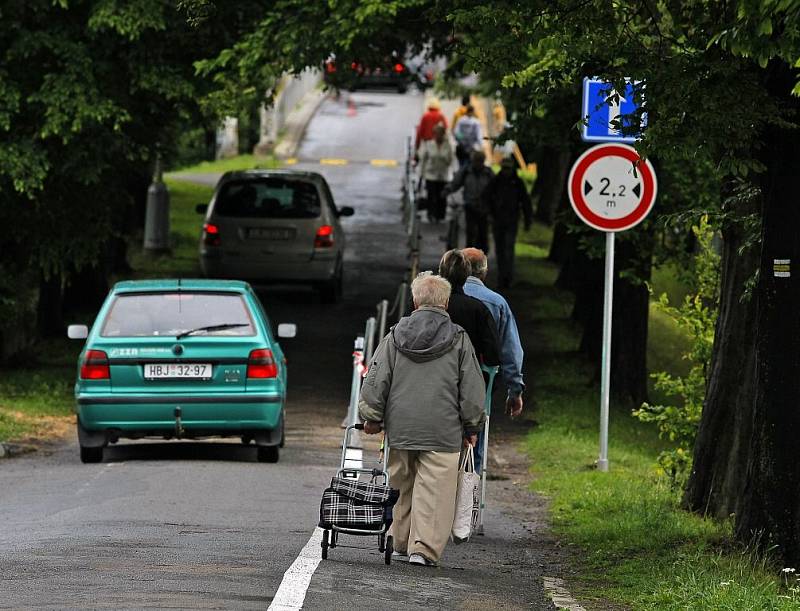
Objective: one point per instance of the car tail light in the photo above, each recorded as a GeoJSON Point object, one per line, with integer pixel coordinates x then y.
{"type": "Point", "coordinates": [399, 68]}
{"type": "Point", "coordinates": [324, 237]}
{"type": "Point", "coordinates": [95, 366]}
{"type": "Point", "coordinates": [261, 364]}
{"type": "Point", "coordinates": [211, 235]}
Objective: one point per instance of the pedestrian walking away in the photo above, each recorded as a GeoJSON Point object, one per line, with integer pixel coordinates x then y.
{"type": "Point", "coordinates": [511, 352]}
{"type": "Point", "coordinates": [432, 116]}
{"type": "Point", "coordinates": [437, 157]}
{"type": "Point", "coordinates": [424, 387]}
{"type": "Point", "coordinates": [461, 154]}
{"type": "Point", "coordinates": [468, 312]}
{"type": "Point", "coordinates": [474, 178]}
{"type": "Point", "coordinates": [468, 135]}
{"type": "Point", "coordinates": [506, 197]}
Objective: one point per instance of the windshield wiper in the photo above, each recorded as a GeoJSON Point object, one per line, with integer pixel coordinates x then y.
{"type": "Point", "coordinates": [228, 325]}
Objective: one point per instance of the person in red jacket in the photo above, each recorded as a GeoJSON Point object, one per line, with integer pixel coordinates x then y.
{"type": "Point", "coordinates": [431, 117]}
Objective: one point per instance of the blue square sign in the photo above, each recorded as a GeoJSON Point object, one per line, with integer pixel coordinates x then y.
{"type": "Point", "coordinates": [600, 113]}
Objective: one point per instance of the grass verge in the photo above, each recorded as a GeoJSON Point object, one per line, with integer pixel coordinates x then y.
{"type": "Point", "coordinates": [240, 162]}
{"type": "Point", "coordinates": [637, 546]}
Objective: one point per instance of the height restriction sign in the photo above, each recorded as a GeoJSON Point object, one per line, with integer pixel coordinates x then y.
{"type": "Point", "coordinates": [611, 188]}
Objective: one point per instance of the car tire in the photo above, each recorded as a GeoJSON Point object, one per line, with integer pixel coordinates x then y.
{"type": "Point", "coordinates": [91, 455]}
{"type": "Point", "coordinates": [331, 291]}
{"type": "Point", "coordinates": [402, 88]}
{"type": "Point", "coordinates": [270, 454]}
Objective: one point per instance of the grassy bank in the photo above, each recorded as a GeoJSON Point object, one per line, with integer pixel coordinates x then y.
{"type": "Point", "coordinates": [637, 546]}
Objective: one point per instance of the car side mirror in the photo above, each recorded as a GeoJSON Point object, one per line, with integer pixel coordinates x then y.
{"type": "Point", "coordinates": [287, 330]}
{"type": "Point", "coordinates": [77, 331]}
{"type": "Point", "coordinates": [201, 208]}
{"type": "Point", "coordinates": [346, 211]}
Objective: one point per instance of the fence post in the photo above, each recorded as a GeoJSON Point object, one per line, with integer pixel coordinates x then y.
{"type": "Point", "coordinates": [383, 311]}
{"type": "Point", "coordinates": [355, 384]}
{"type": "Point", "coordinates": [369, 335]}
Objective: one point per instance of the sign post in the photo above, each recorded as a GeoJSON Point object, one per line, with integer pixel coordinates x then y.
{"type": "Point", "coordinates": [611, 189]}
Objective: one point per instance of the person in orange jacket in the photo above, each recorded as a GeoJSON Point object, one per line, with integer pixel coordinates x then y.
{"type": "Point", "coordinates": [431, 117]}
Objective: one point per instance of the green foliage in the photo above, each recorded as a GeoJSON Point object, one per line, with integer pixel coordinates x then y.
{"type": "Point", "coordinates": [697, 316]}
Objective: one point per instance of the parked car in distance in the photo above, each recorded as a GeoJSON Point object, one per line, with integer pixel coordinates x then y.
{"type": "Point", "coordinates": [391, 73]}
{"type": "Point", "coordinates": [181, 359]}
{"type": "Point", "coordinates": [267, 226]}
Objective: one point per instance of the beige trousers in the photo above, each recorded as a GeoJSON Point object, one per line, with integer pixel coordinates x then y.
{"type": "Point", "coordinates": [423, 516]}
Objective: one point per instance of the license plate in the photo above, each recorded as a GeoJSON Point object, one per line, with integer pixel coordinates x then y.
{"type": "Point", "coordinates": [270, 233]}
{"type": "Point", "coordinates": [177, 371]}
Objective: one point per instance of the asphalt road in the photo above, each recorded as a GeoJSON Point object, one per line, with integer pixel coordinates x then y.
{"type": "Point", "coordinates": [199, 525]}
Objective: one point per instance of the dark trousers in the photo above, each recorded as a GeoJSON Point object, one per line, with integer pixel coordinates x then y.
{"type": "Point", "coordinates": [477, 230]}
{"type": "Point", "coordinates": [437, 204]}
{"type": "Point", "coordinates": [505, 236]}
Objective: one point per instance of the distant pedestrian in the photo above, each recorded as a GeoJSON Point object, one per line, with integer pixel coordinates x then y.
{"type": "Point", "coordinates": [474, 178]}
{"type": "Point", "coordinates": [468, 312]}
{"type": "Point", "coordinates": [468, 135]}
{"type": "Point", "coordinates": [432, 116]}
{"type": "Point", "coordinates": [506, 198]}
{"type": "Point", "coordinates": [461, 153]}
{"type": "Point", "coordinates": [437, 157]}
{"type": "Point", "coordinates": [424, 386]}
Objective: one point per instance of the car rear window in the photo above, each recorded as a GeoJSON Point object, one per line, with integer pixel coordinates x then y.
{"type": "Point", "coordinates": [172, 313]}
{"type": "Point", "coordinates": [270, 198]}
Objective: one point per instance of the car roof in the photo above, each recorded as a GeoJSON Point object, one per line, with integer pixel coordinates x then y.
{"type": "Point", "coordinates": [283, 172]}
{"type": "Point", "coordinates": [176, 284]}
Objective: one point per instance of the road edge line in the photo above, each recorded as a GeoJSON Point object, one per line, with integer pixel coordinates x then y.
{"type": "Point", "coordinates": [291, 593]}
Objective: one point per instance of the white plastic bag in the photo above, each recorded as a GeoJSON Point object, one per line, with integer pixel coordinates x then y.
{"type": "Point", "coordinates": [468, 483]}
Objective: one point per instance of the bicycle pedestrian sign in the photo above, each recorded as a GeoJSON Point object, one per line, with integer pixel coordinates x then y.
{"type": "Point", "coordinates": [611, 188]}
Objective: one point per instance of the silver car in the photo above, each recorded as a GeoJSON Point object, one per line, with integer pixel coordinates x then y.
{"type": "Point", "coordinates": [274, 226]}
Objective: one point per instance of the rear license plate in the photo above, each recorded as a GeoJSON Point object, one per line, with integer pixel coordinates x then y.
{"type": "Point", "coordinates": [270, 233]}
{"type": "Point", "coordinates": [177, 371]}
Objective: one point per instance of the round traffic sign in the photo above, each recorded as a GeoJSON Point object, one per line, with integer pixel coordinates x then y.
{"type": "Point", "coordinates": [611, 188]}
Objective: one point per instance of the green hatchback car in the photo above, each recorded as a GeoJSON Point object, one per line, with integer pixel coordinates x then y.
{"type": "Point", "coordinates": [181, 359]}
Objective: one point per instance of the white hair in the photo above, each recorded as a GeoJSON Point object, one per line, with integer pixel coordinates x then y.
{"type": "Point", "coordinates": [430, 290]}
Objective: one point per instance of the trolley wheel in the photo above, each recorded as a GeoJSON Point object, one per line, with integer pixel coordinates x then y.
{"type": "Point", "coordinates": [382, 542]}
{"type": "Point", "coordinates": [334, 539]}
{"type": "Point", "coordinates": [387, 554]}
{"type": "Point", "coordinates": [324, 544]}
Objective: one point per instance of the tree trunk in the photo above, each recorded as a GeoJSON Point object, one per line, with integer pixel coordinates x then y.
{"type": "Point", "coordinates": [719, 466]}
{"type": "Point", "coordinates": [770, 508]}
{"type": "Point", "coordinates": [551, 182]}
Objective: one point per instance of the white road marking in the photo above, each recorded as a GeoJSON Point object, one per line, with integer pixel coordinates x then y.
{"type": "Point", "coordinates": [292, 592]}
{"type": "Point", "coordinates": [562, 599]}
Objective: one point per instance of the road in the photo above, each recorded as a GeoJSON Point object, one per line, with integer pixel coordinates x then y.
{"type": "Point", "coordinates": [202, 525]}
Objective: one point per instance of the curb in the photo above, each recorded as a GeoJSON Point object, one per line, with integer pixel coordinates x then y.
{"type": "Point", "coordinates": [10, 450]}
{"type": "Point", "coordinates": [298, 121]}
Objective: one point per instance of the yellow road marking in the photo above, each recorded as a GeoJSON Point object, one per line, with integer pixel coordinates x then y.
{"type": "Point", "coordinates": [291, 161]}
{"type": "Point", "coordinates": [333, 161]}
{"type": "Point", "coordinates": [384, 163]}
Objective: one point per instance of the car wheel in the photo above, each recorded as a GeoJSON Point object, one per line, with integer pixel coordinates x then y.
{"type": "Point", "coordinates": [402, 89]}
{"type": "Point", "coordinates": [91, 455]}
{"type": "Point", "coordinates": [268, 454]}
{"type": "Point", "coordinates": [331, 291]}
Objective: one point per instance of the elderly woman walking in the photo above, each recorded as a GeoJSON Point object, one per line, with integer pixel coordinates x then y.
{"type": "Point", "coordinates": [424, 386]}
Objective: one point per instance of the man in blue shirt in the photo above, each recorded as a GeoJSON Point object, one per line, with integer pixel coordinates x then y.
{"type": "Point", "coordinates": [511, 353]}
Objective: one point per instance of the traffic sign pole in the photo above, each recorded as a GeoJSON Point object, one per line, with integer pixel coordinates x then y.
{"type": "Point", "coordinates": [611, 189]}
{"type": "Point", "coordinates": [605, 368]}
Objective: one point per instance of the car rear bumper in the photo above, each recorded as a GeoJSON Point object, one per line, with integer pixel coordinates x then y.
{"type": "Point", "coordinates": [152, 414]}
{"type": "Point", "coordinates": [315, 270]}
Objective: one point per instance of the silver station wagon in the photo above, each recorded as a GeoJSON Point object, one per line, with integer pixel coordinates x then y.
{"type": "Point", "coordinates": [274, 226]}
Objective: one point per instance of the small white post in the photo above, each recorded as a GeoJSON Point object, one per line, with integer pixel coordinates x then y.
{"type": "Point", "coordinates": [605, 370]}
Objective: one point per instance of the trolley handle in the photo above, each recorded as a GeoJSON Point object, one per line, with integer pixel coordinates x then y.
{"type": "Point", "coordinates": [359, 426]}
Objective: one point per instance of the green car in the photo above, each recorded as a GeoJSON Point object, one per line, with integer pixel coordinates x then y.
{"type": "Point", "coordinates": [181, 359]}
